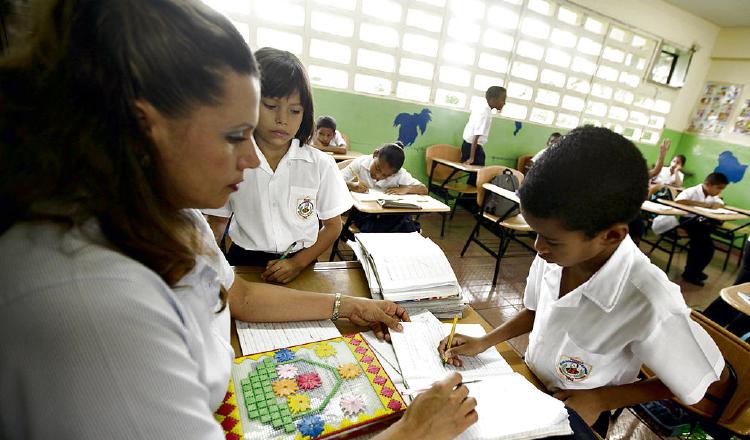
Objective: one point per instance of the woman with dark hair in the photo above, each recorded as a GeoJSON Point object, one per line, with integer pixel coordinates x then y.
{"type": "Point", "coordinates": [118, 121]}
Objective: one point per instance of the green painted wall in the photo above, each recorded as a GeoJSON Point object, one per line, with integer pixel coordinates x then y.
{"type": "Point", "coordinates": [368, 121]}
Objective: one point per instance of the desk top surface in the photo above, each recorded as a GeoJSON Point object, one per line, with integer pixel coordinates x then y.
{"type": "Point", "coordinates": [703, 212]}
{"type": "Point", "coordinates": [426, 203]}
{"type": "Point", "coordinates": [740, 210]}
{"type": "Point", "coordinates": [458, 165]}
{"type": "Point", "coordinates": [732, 296]}
{"type": "Point", "coordinates": [348, 278]}
{"type": "Point", "coordinates": [660, 209]}
{"type": "Point", "coordinates": [346, 156]}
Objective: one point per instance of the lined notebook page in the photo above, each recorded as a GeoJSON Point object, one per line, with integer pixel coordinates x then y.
{"type": "Point", "coordinates": [257, 337]}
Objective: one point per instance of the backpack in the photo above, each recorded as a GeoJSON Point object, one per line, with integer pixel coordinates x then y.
{"type": "Point", "coordinates": [497, 205]}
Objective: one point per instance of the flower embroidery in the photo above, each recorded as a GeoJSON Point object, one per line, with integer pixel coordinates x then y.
{"type": "Point", "coordinates": [284, 387]}
{"type": "Point", "coordinates": [308, 381]}
{"type": "Point", "coordinates": [349, 371]}
{"type": "Point", "coordinates": [351, 404]}
{"type": "Point", "coordinates": [284, 355]}
{"type": "Point", "coordinates": [298, 403]}
{"type": "Point", "coordinates": [310, 426]}
{"type": "Point", "coordinates": [325, 350]}
{"type": "Point", "coordinates": [286, 371]}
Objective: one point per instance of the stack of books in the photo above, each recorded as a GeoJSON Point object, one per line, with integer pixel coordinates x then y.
{"type": "Point", "coordinates": [411, 270]}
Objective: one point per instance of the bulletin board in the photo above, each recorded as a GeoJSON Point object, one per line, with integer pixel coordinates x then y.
{"type": "Point", "coordinates": [714, 109]}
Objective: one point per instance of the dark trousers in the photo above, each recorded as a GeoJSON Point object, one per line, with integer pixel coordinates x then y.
{"type": "Point", "coordinates": [744, 275]}
{"type": "Point", "coordinates": [478, 159]}
{"type": "Point", "coordinates": [237, 256]}
{"type": "Point", "coordinates": [701, 249]}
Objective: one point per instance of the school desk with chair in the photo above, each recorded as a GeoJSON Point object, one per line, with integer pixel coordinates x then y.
{"type": "Point", "coordinates": [445, 172]}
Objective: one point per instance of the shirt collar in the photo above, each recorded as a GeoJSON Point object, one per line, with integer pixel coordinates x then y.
{"type": "Point", "coordinates": [607, 284]}
{"type": "Point", "coordinates": [293, 153]}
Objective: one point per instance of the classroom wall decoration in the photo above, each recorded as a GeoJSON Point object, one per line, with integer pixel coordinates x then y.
{"type": "Point", "coordinates": [408, 124]}
{"type": "Point", "coordinates": [731, 167]}
{"type": "Point", "coordinates": [714, 108]}
{"type": "Point", "coordinates": [742, 126]}
{"type": "Point", "coordinates": [329, 389]}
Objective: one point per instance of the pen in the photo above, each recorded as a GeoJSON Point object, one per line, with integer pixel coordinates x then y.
{"type": "Point", "coordinates": [421, 390]}
{"type": "Point", "coordinates": [450, 337]}
{"type": "Point", "coordinates": [287, 251]}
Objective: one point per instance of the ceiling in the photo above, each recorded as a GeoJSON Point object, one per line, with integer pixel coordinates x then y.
{"type": "Point", "coordinates": [724, 13]}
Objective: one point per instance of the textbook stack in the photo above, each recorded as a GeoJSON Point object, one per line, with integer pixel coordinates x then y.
{"type": "Point", "coordinates": [411, 270]}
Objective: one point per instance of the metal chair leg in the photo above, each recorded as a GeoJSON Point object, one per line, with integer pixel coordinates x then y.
{"type": "Point", "coordinates": [471, 236]}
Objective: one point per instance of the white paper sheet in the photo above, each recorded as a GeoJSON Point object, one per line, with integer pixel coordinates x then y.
{"type": "Point", "coordinates": [257, 337]}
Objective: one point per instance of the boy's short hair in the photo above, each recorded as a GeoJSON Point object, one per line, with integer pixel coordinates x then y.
{"type": "Point", "coordinates": [682, 158]}
{"type": "Point", "coordinates": [326, 122]}
{"type": "Point", "coordinates": [494, 92]}
{"type": "Point", "coordinates": [717, 179]}
{"type": "Point", "coordinates": [590, 180]}
{"type": "Point", "coordinates": [392, 154]}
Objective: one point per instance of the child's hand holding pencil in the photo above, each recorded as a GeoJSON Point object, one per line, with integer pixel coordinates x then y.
{"type": "Point", "coordinates": [450, 348]}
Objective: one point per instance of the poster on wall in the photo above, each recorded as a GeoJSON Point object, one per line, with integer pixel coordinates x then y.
{"type": "Point", "coordinates": [742, 126]}
{"type": "Point", "coordinates": [714, 108]}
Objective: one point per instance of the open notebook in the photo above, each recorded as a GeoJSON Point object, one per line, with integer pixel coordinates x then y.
{"type": "Point", "coordinates": [509, 406]}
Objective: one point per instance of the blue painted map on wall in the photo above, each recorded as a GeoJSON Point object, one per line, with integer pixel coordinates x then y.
{"type": "Point", "coordinates": [519, 125]}
{"type": "Point", "coordinates": [408, 124]}
{"type": "Point", "coordinates": [731, 167]}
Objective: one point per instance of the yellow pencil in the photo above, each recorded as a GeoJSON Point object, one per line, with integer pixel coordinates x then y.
{"type": "Point", "coordinates": [450, 337]}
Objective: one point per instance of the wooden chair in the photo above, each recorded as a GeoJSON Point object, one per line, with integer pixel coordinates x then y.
{"type": "Point", "coordinates": [344, 163]}
{"type": "Point", "coordinates": [505, 226]}
{"type": "Point", "coordinates": [726, 406]}
{"type": "Point", "coordinates": [346, 139]}
{"type": "Point", "coordinates": [443, 180]}
{"type": "Point", "coordinates": [524, 163]}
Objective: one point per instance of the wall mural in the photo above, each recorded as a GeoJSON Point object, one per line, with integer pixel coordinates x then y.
{"type": "Point", "coordinates": [731, 167]}
{"type": "Point", "coordinates": [409, 123]}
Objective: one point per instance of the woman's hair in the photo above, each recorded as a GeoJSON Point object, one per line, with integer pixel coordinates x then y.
{"type": "Point", "coordinates": [283, 74]}
{"type": "Point", "coordinates": [392, 154]}
{"type": "Point", "coordinates": [71, 143]}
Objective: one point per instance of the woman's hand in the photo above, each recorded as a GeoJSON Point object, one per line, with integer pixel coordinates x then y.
{"type": "Point", "coordinates": [281, 271]}
{"type": "Point", "coordinates": [376, 314]}
{"type": "Point", "coordinates": [461, 345]}
{"type": "Point", "coordinates": [442, 412]}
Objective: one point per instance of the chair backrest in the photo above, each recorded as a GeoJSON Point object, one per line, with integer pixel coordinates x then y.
{"type": "Point", "coordinates": [441, 151]}
{"type": "Point", "coordinates": [486, 174]}
{"type": "Point", "coordinates": [736, 414]}
{"type": "Point", "coordinates": [344, 163]}
{"type": "Point", "coordinates": [524, 163]}
{"type": "Point", "coordinates": [346, 138]}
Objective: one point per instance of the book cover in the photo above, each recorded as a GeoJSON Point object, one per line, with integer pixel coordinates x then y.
{"type": "Point", "coordinates": [331, 389]}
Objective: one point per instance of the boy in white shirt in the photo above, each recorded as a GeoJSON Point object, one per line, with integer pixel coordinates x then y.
{"type": "Point", "coordinates": [327, 138]}
{"type": "Point", "coordinates": [477, 130]}
{"type": "Point", "coordinates": [701, 249]}
{"type": "Point", "coordinates": [596, 307]}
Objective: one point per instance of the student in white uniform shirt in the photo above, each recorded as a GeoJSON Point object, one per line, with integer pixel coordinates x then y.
{"type": "Point", "coordinates": [114, 311]}
{"type": "Point", "coordinates": [701, 249]}
{"type": "Point", "coordinates": [596, 307]}
{"type": "Point", "coordinates": [279, 204]}
{"type": "Point", "coordinates": [327, 138]}
{"type": "Point", "coordinates": [477, 129]}
{"type": "Point", "coordinates": [671, 175]}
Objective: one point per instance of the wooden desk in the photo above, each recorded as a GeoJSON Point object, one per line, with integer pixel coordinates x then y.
{"type": "Point", "coordinates": [703, 212]}
{"type": "Point", "coordinates": [740, 210]}
{"type": "Point", "coordinates": [731, 295]}
{"type": "Point", "coordinates": [348, 278]}
{"type": "Point", "coordinates": [346, 156]}
{"type": "Point", "coordinates": [456, 165]}
{"type": "Point", "coordinates": [660, 209]}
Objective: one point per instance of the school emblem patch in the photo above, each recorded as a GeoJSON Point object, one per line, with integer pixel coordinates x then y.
{"type": "Point", "coordinates": [572, 369]}
{"type": "Point", "coordinates": [305, 207]}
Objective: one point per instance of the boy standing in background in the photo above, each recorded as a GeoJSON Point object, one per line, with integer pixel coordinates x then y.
{"type": "Point", "coordinates": [477, 130]}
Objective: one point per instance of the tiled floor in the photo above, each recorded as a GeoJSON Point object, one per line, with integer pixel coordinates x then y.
{"type": "Point", "coordinates": [499, 303]}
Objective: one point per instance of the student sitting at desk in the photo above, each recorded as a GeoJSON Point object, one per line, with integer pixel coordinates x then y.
{"type": "Point", "coordinates": [115, 301]}
{"type": "Point", "coordinates": [671, 175]}
{"type": "Point", "coordinates": [383, 171]}
{"type": "Point", "coordinates": [280, 203]}
{"type": "Point", "coordinates": [327, 138]}
{"type": "Point", "coordinates": [596, 307]}
{"type": "Point", "coordinates": [551, 140]}
{"type": "Point", "coordinates": [701, 249]}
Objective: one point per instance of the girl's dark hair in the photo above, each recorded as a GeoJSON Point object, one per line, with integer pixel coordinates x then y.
{"type": "Point", "coordinates": [682, 158]}
{"type": "Point", "coordinates": [326, 122]}
{"type": "Point", "coordinates": [71, 144]}
{"type": "Point", "coordinates": [283, 74]}
{"type": "Point", "coordinates": [392, 154]}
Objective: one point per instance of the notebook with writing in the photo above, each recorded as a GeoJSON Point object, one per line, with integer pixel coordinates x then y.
{"type": "Point", "coordinates": [397, 204]}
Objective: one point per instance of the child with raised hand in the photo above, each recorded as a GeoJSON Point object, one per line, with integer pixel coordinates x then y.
{"type": "Point", "coordinates": [383, 170]}
{"type": "Point", "coordinates": [327, 137]}
{"type": "Point", "coordinates": [596, 307]}
{"type": "Point", "coordinates": [278, 206]}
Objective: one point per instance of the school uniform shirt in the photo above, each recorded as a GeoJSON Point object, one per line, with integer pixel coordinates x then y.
{"type": "Point", "coordinates": [337, 140]}
{"type": "Point", "coordinates": [538, 155]}
{"type": "Point", "coordinates": [665, 177]}
{"type": "Point", "coordinates": [627, 314]}
{"type": "Point", "coordinates": [273, 209]}
{"type": "Point", "coordinates": [361, 166]}
{"type": "Point", "coordinates": [94, 344]}
{"type": "Point", "coordinates": [479, 123]}
{"type": "Point", "coordinates": [695, 193]}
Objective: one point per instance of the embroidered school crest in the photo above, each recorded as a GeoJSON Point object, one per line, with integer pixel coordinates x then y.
{"type": "Point", "coordinates": [572, 369]}
{"type": "Point", "coordinates": [305, 207]}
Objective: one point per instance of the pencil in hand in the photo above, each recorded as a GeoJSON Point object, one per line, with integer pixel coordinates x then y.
{"type": "Point", "coordinates": [450, 338]}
